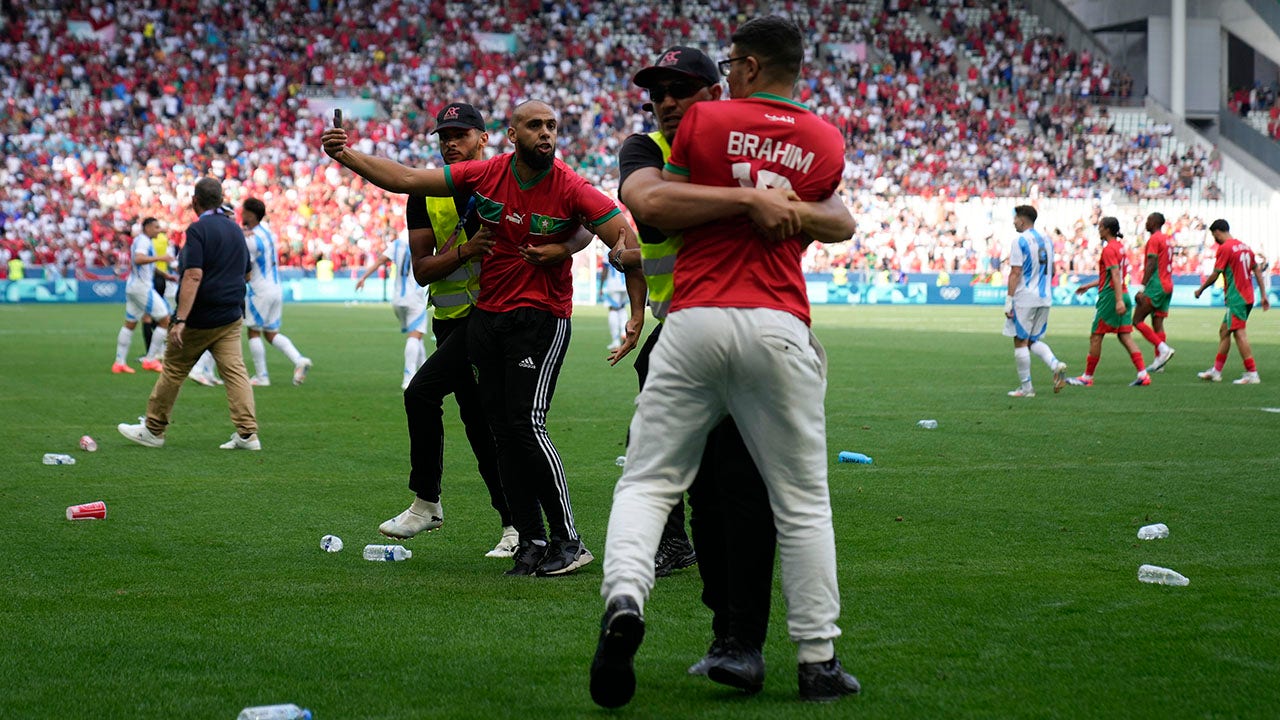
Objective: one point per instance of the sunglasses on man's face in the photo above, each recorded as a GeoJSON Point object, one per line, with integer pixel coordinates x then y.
{"type": "Point", "coordinates": [680, 89]}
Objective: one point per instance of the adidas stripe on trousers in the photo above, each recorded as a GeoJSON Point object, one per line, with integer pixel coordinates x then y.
{"type": "Point", "coordinates": [767, 370]}
{"type": "Point", "coordinates": [517, 356]}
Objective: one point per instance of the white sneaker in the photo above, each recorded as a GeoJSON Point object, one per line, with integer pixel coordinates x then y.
{"type": "Point", "coordinates": [1161, 360]}
{"type": "Point", "coordinates": [506, 546]}
{"type": "Point", "coordinates": [1211, 375]}
{"type": "Point", "coordinates": [300, 370]}
{"type": "Point", "coordinates": [1059, 376]}
{"type": "Point", "coordinates": [238, 443]}
{"type": "Point", "coordinates": [140, 434]}
{"type": "Point", "coordinates": [259, 381]}
{"type": "Point", "coordinates": [410, 523]}
{"type": "Point", "coordinates": [202, 378]}
{"type": "Point", "coordinates": [1022, 392]}
{"type": "Point", "coordinates": [1249, 378]}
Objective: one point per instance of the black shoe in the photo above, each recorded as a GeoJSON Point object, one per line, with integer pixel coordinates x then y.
{"type": "Point", "coordinates": [738, 666]}
{"type": "Point", "coordinates": [713, 652]}
{"type": "Point", "coordinates": [673, 554]}
{"type": "Point", "coordinates": [563, 557]}
{"type": "Point", "coordinates": [826, 681]}
{"type": "Point", "coordinates": [613, 679]}
{"type": "Point", "coordinates": [528, 556]}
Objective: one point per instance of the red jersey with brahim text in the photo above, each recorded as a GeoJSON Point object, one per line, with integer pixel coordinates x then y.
{"type": "Point", "coordinates": [548, 208]}
{"type": "Point", "coordinates": [762, 141]}
{"type": "Point", "coordinates": [1235, 261]}
{"type": "Point", "coordinates": [1160, 252]}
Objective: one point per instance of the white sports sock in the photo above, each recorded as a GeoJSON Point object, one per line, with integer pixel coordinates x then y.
{"type": "Point", "coordinates": [617, 324]}
{"type": "Point", "coordinates": [411, 347]}
{"type": "Point", "coordinates": [285, 345]}
{"type": "Point", "coordinates": [123, 339]}
{"type": "Point", "coordinates": [1043, 352]}
{"type": "Point", "coordinates": [258, 350]}
{"type": "Point", "coordinates": [1022, 360]}
{"type": "Point", "coordinates": [158, 336]}
{"type": "Point", "coordinates": [422, 352]}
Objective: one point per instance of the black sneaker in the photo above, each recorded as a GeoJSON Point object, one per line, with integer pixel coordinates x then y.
{"type": "Point", "coordinates": [563, 557]}
{"type": "Point", "coordinates": [713, 652]}
{"type": "Point", "coordinates": [826, 681]}
{"type": "Point", "coordinates": [738, 666]}
{"type": "Point", "coordinates": [613, 679]}
{"type": "Point", "coordinates": [673, 554]}
{"type": "Point", "coordinates": [528, 556]}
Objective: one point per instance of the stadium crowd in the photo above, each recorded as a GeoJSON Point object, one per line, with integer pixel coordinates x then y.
{"type": "Point", "coordinates": [113, 110]}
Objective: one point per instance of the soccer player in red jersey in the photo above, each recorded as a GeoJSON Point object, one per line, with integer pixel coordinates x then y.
{"type": "Point", "coordinates": [1235, 261]}
{"type": "Point", "coordinates": [1114, 310]}
{"type": "Point", "coordinates": [519, 331]}
{"type": "Point", "coordinates": [1157, 289]}
{"type": "Point", "coordinates": [737, 343]}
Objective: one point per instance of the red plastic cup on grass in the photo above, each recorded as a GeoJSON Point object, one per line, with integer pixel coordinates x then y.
{"type": "Point", "coordinates": [87, 444]}
{"type": "Point", "coordinates": [88, 511]}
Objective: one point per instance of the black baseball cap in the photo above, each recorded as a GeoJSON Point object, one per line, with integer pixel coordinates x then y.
{"type": "Point", "coordinates": [682, 60]}
{"type": "Point", "coordinates": [459, 115]}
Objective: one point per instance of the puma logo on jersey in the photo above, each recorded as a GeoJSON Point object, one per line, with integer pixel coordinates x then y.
{"type": "Point", "coordinates": [517, 218]}
{"type": "Point", "coordinates": [527, 363]}
{"type": "Point", "coordinates": [780, 118]}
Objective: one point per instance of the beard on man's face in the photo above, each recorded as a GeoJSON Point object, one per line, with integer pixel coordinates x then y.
{"type": "Point", "coordinates": [535, 158]}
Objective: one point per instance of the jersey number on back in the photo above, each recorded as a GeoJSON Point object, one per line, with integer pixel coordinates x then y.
{"type": "Point", "coordinates": [763, 180]}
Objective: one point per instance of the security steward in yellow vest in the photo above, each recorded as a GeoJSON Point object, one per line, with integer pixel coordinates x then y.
{"type": "Point", "coordinates": [731, 518]}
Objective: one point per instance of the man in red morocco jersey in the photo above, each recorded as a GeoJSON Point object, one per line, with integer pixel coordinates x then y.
{"type": "Point", "coordinates": [519, 330]}
{"type": "Point", "coordinates": [1113, 312]}
{"type": "Point", "coordinates": [1157, 289]}
{"type": "Point", "coordinates": [736, 343]}
{"type": "Point", "coordinates": [1235, 261]}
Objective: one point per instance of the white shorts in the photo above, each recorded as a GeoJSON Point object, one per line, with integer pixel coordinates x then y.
{"type": "Point", "coordinates": [144, 301]}
{"type": "Point", "coordinates": [262, 312]}
{"type": "Point", "coordinates": [1027, 323]}
{"type": "Point", "coordinates": [413, 316]}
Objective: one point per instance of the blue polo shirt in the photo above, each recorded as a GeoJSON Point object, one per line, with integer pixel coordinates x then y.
{"type": "Point", "coordinates": [216, 245]}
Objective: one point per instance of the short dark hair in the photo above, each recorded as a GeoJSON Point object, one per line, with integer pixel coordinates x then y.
{"type": "Point", "coordinates": [147, 221]}
{"type": "Point", "coordinates": [1159, 218]}
{"type": "Point", "coordinates": [255, 206]}
{"type": "Point", "coordinates": [1027, 212]}
{"type": "Point", "coordinates": [1220, 225]}
{"type": "Point", "coordinates": [208, 193]}
{"type": "Point", "coordinates": [1111, 224]}
{"type": "Point", "coordinates": [776, 42]}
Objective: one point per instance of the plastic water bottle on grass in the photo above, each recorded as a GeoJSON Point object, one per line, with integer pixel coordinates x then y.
{"type": "Point", "coordinates": [1161, 576]}
{"type": "Point", "coordinates": [1153, 532]}
{"type": "Point", "coordinates": [274, 712]}
{"type": "Point", "coordinates": [847, 456]}
{"type": "Point", "coordinates": [386, 553]}
{"type": "Point", "coordinates": [58, 459]}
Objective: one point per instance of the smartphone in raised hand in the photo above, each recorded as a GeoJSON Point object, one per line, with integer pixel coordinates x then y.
{"type": "Point", "coordinates": [337, 117]}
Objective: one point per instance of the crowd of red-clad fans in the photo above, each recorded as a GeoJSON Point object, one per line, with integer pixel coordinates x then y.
{"type": "Point", "coordinates": [111, 111]}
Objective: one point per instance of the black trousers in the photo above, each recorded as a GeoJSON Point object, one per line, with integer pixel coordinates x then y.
{"type": "Point", "coordinates": [448, 371]}
{"type": "Point", "coordinates": [148, 327]}
{"type": "Point", "coordinates": [517, 356]}
{"type": "Point", "coordinates": [733, 530]}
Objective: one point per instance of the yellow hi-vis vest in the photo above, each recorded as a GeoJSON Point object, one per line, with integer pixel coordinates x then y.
{"type": "Point", "coordinates": [454, 295]}
{"type": "Point", "coordinates": [659, 259]}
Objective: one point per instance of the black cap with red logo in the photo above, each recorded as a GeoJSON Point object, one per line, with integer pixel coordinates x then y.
{"type": "Point", "coordinates": [683, 60]}
{"type": "Point", "coordinates": [459, 115]}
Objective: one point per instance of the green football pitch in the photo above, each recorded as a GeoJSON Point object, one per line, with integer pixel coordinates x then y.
{"type": "Point", "coordinates": [988, 568]}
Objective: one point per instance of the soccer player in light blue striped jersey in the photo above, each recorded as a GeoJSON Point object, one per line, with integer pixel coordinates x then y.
{"type": "Point", "coordinates": [263, 304]}
{"type": "Point", "coordinates": [1026, 306]}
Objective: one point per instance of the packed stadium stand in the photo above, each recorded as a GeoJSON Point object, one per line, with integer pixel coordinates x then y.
{"type": "Point", "coordinates": [953, 111]}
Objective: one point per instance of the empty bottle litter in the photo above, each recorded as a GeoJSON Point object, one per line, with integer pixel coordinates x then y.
{"type": "Point", "coordinates": [621, 461]}
{"type": "Point", "coordinates": [58, 459]}
{"type": "Point", "coordinates": [331, 543]}
{"type": "Point", "coordinates": [1153, 532]}
{"type": "Point", "coordinates": [928, 424]}
{"type": "Point", "coordinates": [1161, 576]}
{"type": "Point", "coordinates": [854, 457]}
{"type": "Point", "coordinates": [274, 712]}
{"type": "Point", "coordinates": [88, 444]}
{"type": "Point", "coordinates": [386, 553]}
